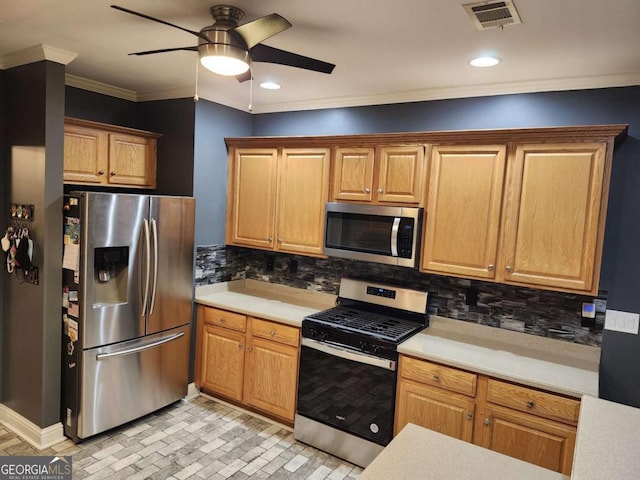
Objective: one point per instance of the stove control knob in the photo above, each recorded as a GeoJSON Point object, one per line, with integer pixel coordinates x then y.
{"type": "Point", "coordinates": [375, 348]}
{"type": "Point", "coordinates": [363, 346]}
{"type": "Point", "coordinates": [313, 332]}
{"type": "Point", "coordinates": [323, 335]}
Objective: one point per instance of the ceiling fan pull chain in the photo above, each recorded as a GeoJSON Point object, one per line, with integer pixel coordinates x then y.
{"type": "Point", "coordinates": [251, 93]}
{"type": "Point", "coordinates": [195, 97]}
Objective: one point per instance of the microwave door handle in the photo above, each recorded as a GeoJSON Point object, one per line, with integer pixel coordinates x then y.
{"type": "Point", "coordinates": [394, 236]}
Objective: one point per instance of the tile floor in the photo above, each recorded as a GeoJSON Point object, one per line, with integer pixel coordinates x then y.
{"type": "Point", "coordinates": [193, 439]}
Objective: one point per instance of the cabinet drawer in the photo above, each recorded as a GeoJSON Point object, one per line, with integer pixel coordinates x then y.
{"type": "Point", "coordinates": [275, 331]}
{"type": "Point", "coordinates": [438, 375]}
{"type": "Point", "coordinates": [533, 401]}
{"type": "Point", "coordinates": [222, 318]}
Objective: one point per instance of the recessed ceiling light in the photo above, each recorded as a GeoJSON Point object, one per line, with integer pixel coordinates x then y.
{"type": "Point", "coordinates": [484, 61]}
{"type": "Point", "coordinates": [270, 85]}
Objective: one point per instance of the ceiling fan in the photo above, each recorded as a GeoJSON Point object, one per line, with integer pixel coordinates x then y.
{"type": "Point", "coordinates": [227, 48]}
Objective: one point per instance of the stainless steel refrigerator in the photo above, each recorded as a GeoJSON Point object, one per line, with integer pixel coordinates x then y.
{"type": "Point", "coordinates": [127, 303]}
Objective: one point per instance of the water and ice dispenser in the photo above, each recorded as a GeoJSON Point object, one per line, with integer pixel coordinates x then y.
{"type": "Point", "coordinates": [111, 274]}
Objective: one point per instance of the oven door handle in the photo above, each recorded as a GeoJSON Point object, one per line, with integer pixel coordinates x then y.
{"type": "Point", "coordinates": [350, 354]}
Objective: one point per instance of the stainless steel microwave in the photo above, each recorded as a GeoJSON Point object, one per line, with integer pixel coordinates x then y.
{"type": "Point", "coordinates": [373, 233]}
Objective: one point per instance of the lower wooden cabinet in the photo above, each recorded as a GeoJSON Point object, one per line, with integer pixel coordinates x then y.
{"type": "Point", "coordinates": [222, 363]}
{"type": "Point", "coordinates": [436, 409]}
{"type": "Point", "coordinates": [248, 360]}
{"type": "Point", "coordinates": [529, 424]}
{"type": "Point", "coordinates": [270, 377]}
{"type": "Point", "coordinates": [533, 439]}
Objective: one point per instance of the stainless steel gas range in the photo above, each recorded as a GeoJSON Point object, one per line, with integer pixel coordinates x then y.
{"type": "Point", "coordinates": [347, 379]}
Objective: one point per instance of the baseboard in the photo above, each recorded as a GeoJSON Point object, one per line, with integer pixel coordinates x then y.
{"type": "Point", "coordinates": [192, 391]}
{"type": "Point", "coordinates": [40, 438]}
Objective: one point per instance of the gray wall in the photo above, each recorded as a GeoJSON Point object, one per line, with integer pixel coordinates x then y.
{"type": "Point", "coordinates": [213, 123]}
{"type": "Point", "coordinates": [34, 115]}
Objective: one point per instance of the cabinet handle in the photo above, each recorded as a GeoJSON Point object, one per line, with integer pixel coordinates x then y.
{"type": "Point", "coordinates": [249, 349]}
{"type": "Point", "coordinates": [272, 333]}
{"type": "Point", "coordinates": [490, 267]}
{"type": "Point", "coordinates": [469, 416]}
{"type": "Point", "coordinates": [113, 174]}
{"type": "Point", "coordinates": [101, 172]}
{"type": "Point", "coordinates": [531, 404]}
{"type": "Point", "coordinates": [436, 377]}
{"type": "Point", "coordinates": [367, 190]}
{"type": "Point", "coordinates": [380, 190]}
{"type": "Point", "coordinates": [240, 346]}
{"type": "Point", "coordinates": [270, 239]}
{"type": "Point", "coordinates": [487, 421]}
{"type": "Point", "coordinates": [222, 320]}
{"type": "Point", "coordinates": [508, 268]}
{"type": "Point", "coordinates": [279, 240]}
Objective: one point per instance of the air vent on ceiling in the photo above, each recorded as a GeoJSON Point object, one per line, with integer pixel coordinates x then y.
{"type": "Point", "coordinates": [494, 14]}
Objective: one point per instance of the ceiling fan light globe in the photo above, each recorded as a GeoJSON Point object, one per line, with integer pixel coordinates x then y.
{"type": "Point", "coordinates": [227, 60]}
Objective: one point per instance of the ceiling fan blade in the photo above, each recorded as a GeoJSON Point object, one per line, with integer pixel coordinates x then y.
{"type": "Point", "coordinates": [264, 53]}
{"type": "Point", "coordinates": [243, 77]}
{"type": "Point", "coordinates": [142, 15]}
{"type": "Point", "coordinates": [262, 28]}
{"type": "Point", "coordinates": [163, 50]}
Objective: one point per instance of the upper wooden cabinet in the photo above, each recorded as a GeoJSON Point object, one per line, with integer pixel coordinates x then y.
{"type": "Point", "coordinates": [555, 203]}
{"type": "Point", "coordinates": [276, 198]}
{"type": "Point", "coordinates": [536, 219]}
{"type": "Point", "coordinates": [386, 174]}
{"type": "Point", "coordinates": [108, 155]}
{"type": "Point", "coordinates": [463, 210]}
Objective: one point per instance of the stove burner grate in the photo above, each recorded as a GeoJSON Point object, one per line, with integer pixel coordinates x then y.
{"type": "Point", "coordinates": [371, 323]}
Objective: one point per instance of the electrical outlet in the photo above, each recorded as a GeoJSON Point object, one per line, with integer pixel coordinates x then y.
{"type": "Point", "coordinates": [622, 321]}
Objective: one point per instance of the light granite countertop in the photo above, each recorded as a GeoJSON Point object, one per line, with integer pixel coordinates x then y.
{"type": "Point", "coordinates": [420, 454]}
{"type": "Point", "coordinates": [539, 362]}
{"type": "Point", "coordinates": [553, 365]}
{"type": "Point", "coordinates": [607, 442]}
{"type": "Point", "coordinates": [265, 300]}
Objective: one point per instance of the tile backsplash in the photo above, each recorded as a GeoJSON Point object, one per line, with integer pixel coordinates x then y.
{"type": "Point", "coordinates": [532, 311]}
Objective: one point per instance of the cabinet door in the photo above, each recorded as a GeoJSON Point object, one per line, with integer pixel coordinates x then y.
{"type": "Point", "coordinates": [552, 226]}
{"type": "Point", "coordinates": [463, 210]}
{"type": "Point", "coordinates": [535, 440]}
{"type": "Point", "coordinates": [222, 361]}
{"type": "Point", "coordinates": [252, 197]}
{"type": "Point", "coordinates": [303, 190]}
{"type": "Point", "coordinates": [445, 412]}
{"type": "Point", "coordinates": [132, 160]}
{"type": "Point", "coordinates": [400, 171]}
{"type": "Point", "coordinates": [353, 174]}
{"type": "Point", "coordinates": [271, 377]}
{"type": "Point", "coordinates": [85, 155]}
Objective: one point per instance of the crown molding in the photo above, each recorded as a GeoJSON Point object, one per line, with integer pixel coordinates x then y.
{"type": "Point", "coordinates": [100, 87]}
{"type": "Point", "coordinates": [36, 53]}
{"type": "Point", "coordinates": [507, 88]}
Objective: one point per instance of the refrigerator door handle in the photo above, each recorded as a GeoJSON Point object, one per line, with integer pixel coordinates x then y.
{"type": "Point", "coordinates": [145, 298]}
{"type": "Point", "coordinates": [154, 231]}
{"type": "Point", "coordinates": [127, 351]}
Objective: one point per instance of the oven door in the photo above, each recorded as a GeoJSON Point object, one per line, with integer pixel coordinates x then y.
{"type": "Point", "coordinates": [346, 389]}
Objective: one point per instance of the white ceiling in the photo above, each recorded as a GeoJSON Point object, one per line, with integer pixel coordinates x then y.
{"type": "Point", "coordinates": [385, 52]}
